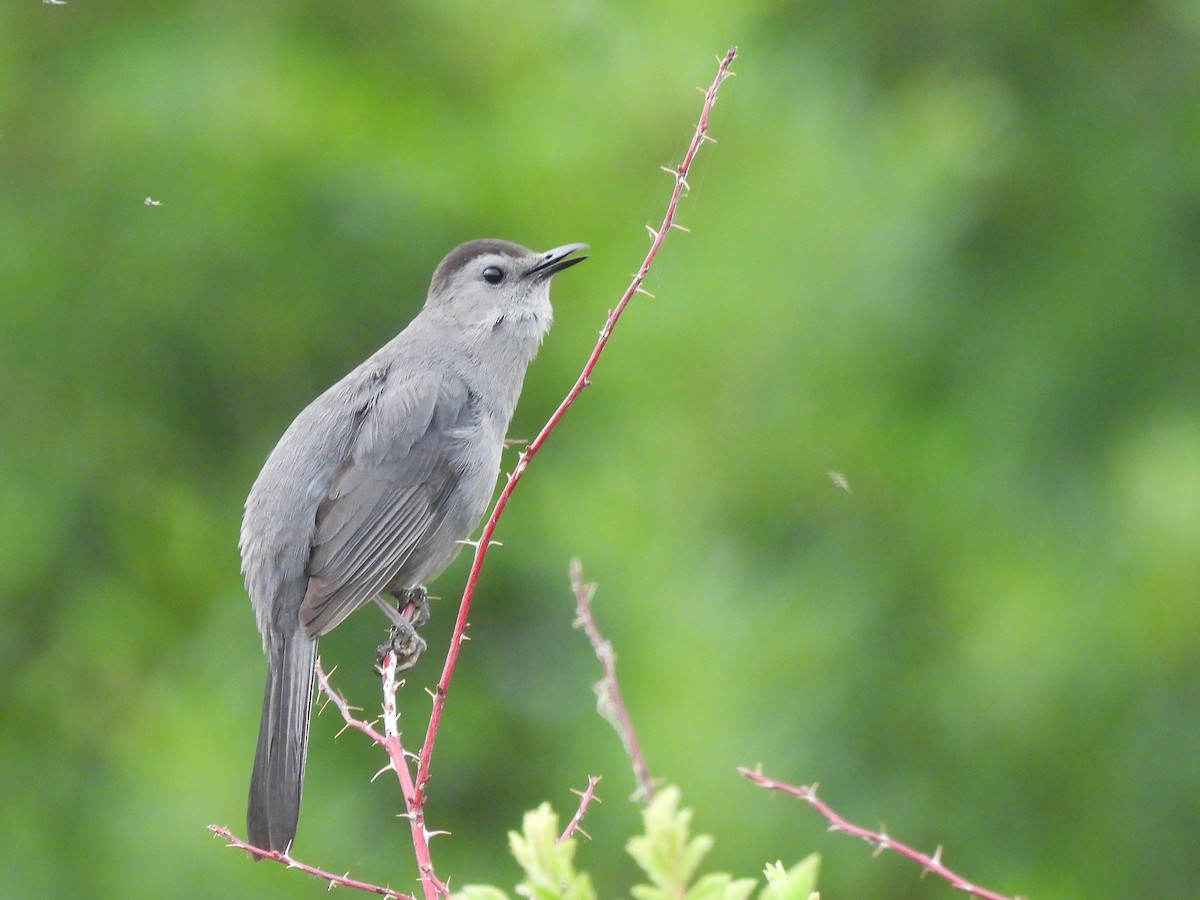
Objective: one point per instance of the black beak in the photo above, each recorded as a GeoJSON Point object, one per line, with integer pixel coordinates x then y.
{"type": "Point", "coordinates": [556, 260]}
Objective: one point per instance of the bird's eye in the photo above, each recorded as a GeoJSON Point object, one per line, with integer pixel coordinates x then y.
{"type": "Point", "coordinates": [493, 275]}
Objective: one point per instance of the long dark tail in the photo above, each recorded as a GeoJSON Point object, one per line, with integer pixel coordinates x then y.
{"type": "Point", "coordinates": [278, 776]}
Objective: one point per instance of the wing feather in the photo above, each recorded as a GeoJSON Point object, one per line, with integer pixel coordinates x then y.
{"type": "Point", "coordinates": [386, 499]}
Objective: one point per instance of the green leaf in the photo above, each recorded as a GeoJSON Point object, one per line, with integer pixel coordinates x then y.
{"type": "Point", "coordinates": [796, 883]}
{"type": "Point", "coordinates": [721, 887]}
{"type": "Point", "coordinates": [668, 856]}
{"type": "Point", "coordinates": [548, 865]}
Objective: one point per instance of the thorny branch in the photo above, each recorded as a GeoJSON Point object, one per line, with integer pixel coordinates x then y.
{"type": "Point", "coordinates": [680, 173]}
{"type": "Point", "coordinates": [334, 880]}
{"type": "Point", "coordinates": [389, 740]}
{"type": "Point", "coordinates": [609, 702]}
{"type": "Point", "coordinates": [880, 839]}
{"type": "Point", "coordinates": [586, 796]}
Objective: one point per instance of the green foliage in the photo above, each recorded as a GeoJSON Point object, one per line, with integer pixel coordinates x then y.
{"type": "Point", "coordinates": [665, 851]}
{"type": "Point", "coordinates": [797, 883]}
{"type": "Point", "coordinates": [670, 857]}
{"type": "Point", "coordinates": [549, 866]}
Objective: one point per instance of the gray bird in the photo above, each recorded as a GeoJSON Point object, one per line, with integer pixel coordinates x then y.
{"type": "Point", "coordinates": [373, 487]}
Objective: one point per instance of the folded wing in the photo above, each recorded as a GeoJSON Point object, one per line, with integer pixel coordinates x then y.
{"type": "Point", "coordinates": [388, 497]}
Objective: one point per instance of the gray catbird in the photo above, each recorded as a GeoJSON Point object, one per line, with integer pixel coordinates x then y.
{"type": "Point", "coordinates": [373, 487]}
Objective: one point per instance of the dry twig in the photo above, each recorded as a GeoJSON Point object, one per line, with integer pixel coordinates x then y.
{"type": "Point", "coordinates": [609, 702]}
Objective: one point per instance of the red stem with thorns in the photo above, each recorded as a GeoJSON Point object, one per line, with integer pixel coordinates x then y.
{"type": "Point", "coordinates": [881, 840]}
{"type": "Point", "coordinates": [416, 800]}
{"type": "Point", "coordinates": [679, 173]}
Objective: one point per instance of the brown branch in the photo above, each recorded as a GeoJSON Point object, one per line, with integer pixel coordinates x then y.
{"type": "Point", "coordinates": [344, 707]}
{"type": "Point", "coordinates": [880, 839]}
{"type": "Point", "coordinates": [680, 172]}
{"type": "Point", "coordinates": [293, 863]}
{"type": "Point", "coordinates": [586, 796]}
{"type": "Point", "coordinates": [432, 885]}
{"type": "Point", "coordinates": [609, 702]}
{"type": "Point", "coordinates": [389, 740]}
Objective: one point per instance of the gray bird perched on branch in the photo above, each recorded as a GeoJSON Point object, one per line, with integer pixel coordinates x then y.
{"type": "Point", "coordinates": [373, 487]}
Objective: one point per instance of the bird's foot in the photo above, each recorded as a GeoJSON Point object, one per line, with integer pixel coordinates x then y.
{"type": "Point", "coordinates": [414, 601]}
{"type": "Point", "coordinates": [409, 614]}
{"type": "Point", "coordinates": [404, 643]}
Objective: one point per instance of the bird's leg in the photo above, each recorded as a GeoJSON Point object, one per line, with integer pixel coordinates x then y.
{"type": "Point", "coordinates": [410, 613]}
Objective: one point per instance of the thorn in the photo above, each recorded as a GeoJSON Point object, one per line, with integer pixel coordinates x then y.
{"type": "Point", "coordinates": [388, 767]}
{"type": "Point", "coordinates": [432, 834]}
{"type": "Point", "coordinates": [679, 227]}
{"type": "Point", "coordinates": [642, 290]}
{"type": "Point", "coordinates": [705, 137]}
{"type": "Point", "coordinates": [884, 842]}
{"type": "Point", "coordinates": [653, 233]}
{"type": "Point", "coordinates": [466, 542]}
{"type": "Point", "coordinates": [579, 830]}
{"type": "Point", "coordinates": [674, 173]}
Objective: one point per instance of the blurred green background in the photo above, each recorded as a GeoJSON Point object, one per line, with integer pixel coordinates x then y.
{"type": "Point", "coordinates": [950, 250]}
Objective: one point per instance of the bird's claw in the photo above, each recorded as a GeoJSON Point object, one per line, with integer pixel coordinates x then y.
{"type": "Point", "coordinates": [414, 599]}
{"type": "Point", "coordinates": [404, 643]}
